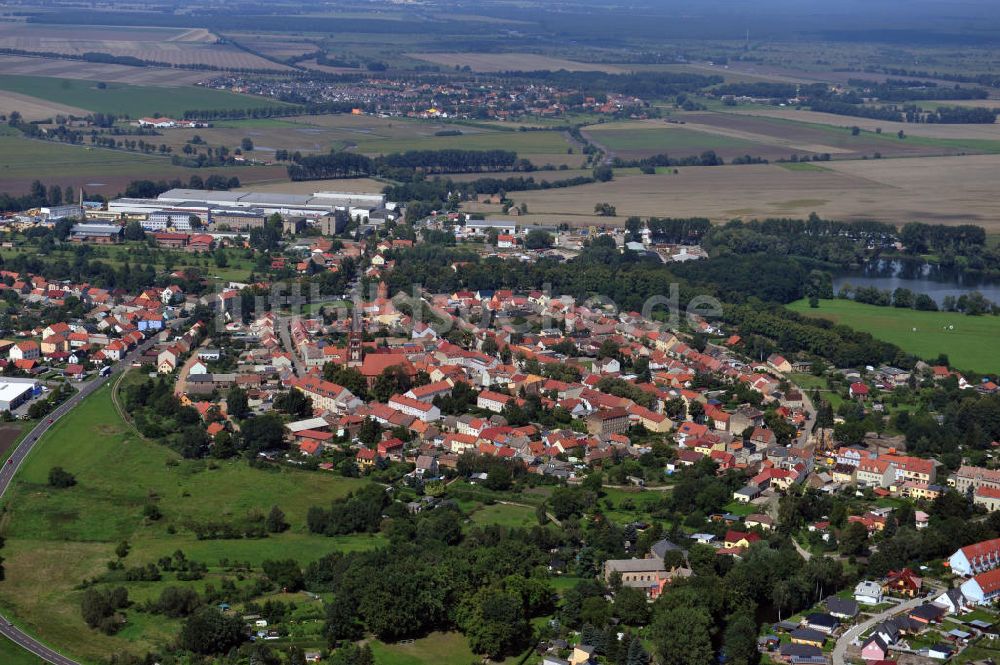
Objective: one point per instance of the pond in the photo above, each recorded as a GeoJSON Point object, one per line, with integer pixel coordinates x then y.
{"type": "Point", "coordinates": [917, 276]}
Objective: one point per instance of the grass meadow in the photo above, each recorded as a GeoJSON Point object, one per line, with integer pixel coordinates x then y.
{"type": "Point", "coordinates": [56, 538]}
{"type": "Point", "coordinates": [969, 341]}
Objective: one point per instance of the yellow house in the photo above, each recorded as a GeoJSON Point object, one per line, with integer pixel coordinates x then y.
{"type": "Point", "coordinates": [842, 475]}
{"type": "Point", "coordinates": [917, 490]}
{"type": "Point", "coordinates": [581, 655]}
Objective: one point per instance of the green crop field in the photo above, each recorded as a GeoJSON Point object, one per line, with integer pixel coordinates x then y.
{"type": "Point", "coordinates": [665, 139]}
{"type": "Point", "coordinates": [56, 538]}
{"type": "Point", "coordinates": [98, 170]}
{"type": "Point", "coordinates": [969, 341]}
{"type": "Point", "coordinates": [523, 143]}
{"type": "Point", "coordinates": [131, 100]}
{"type": "Point", "coordinates": [802, 166]}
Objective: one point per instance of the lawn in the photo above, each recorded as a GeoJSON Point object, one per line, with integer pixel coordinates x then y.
{"type": "Point", "coordinates": [505, 515]}
{"type": "Point", "coordinates": [436, 648]}
{"type": "Point", "coordinates": [981, 651]}
{"type": "Point", "coordinates": [238, 266]}
{"type": "Point", "coordinates": [56, 538]}
{"type": "Point", "coordinates": [969, 341]}
{"type": "Point", "coordinates": [11, 654]}
{"type": "Point", "coordinates": [810, 382]}
{"type": "Point", "coordinates": [131, 100]}
{"type": "Point", "coordinates": [628, 505]}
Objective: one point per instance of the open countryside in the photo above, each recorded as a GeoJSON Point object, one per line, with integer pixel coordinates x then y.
{"type": "Point", "coordinates": [61, 537]}
{"type": "Point", "coordinates": [508, 332]}
{"type": "Point", "coordinates": [133, 101]}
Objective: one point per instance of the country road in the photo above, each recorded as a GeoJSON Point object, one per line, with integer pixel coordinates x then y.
{"type": "Point", "coordinates": [17, 458]}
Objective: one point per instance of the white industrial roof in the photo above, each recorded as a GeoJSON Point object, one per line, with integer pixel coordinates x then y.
{"type": "Point", "coordinates": [11, 391]}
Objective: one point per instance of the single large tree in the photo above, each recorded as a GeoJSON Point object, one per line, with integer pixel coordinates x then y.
{"type": "Point", "coordinates": [683, 636]}
{"type": "Point", "coordinates": [493, 621]}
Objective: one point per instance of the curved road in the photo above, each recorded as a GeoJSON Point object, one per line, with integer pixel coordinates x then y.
{"type": "Point", "coordinates": [22, 451]}
{"type": "Point", "coordinates": [845, 640]}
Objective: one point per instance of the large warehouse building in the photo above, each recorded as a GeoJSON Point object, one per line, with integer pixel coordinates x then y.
{"type": "Point", "coordinates": [15, 392]}
{"type": "Point", "coordinates": [274, 202]}
{"type": "Point", "coordinates": [234, 208]}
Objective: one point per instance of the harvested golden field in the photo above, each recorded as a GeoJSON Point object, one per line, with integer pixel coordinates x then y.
{"type": "Point", "coordinates": [948, 190]}
{"type": "Point", "coordinates": [312, 64]}
{"type": "Point", "coordinates": [509, 62]}
{"type": "Point", "coordinates": [935, 131]}
{"type": "Point", "coordinates": [272, 45]}
{"type": "Point", "coordinates": [92, 71]}
{"type": "Point", "coordinates": [174, 47]}
{"type": "Point", "coordinates": [33, 108]}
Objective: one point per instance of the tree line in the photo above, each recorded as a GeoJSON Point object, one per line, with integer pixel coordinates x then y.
{"type": "Point", "coordinates": [342, 164]}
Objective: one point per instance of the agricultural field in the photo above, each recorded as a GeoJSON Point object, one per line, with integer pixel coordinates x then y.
{"type": "Point", "coordinates": [277, 46]}
{"type": "Point", "coordinates": [33, 108]}
{"type": "Point", "coordinates": [57, 538]}
{"type": "Point", "coordinates": [946, 190]}
{"type": "Point", "coordinates": [632, 140]}
{"type": "Point", "coordinates": [509, 62]}
{"type": "Point", "coordinates": [967, 132]}
{"type": "Point", "coordinates": [163, 45]}
{"type": "Point", "coordinates": [968, 341]}
{"type": "Point", "coordinates": [372, 135]}
{"type": "Point", "coordinates": [93, 71]}
{"type": "Point", "coordinates": [101, 171]}
{"type": "Point", "coordinates": [801, 136]}
{"type": "Point", "coordinates": [124, 99]}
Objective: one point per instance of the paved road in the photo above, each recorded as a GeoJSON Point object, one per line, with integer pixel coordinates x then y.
{"type": "Point", "coordinates": [854, 633]}
{"type": "Point", "coordinates": [7, 475]}
{"type": "Point", "coordinates": [285, 335]}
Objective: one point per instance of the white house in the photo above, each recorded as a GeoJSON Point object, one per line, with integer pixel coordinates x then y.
{"type": "Point", "coordinates": [868, 593]}
{"type": "Point", "coordinates": [976, 558]}
{"type": "Point", "coordinates": [953, 600]}
{"type": "Point", "coordinates": [492, 401]}
{"type": "Point", "coordinates": [414, 407]}
{"type": "Point", "coordinates": [24, 351]}
{"type": "Point", "coordinates": [982, 589]}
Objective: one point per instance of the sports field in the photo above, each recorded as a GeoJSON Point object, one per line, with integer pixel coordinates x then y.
{"type": "Point", "coordinates": [131, 100]}
{"type": "Point", "coordinates": [57, 538]}
{"type": "Point", "coordinates": [968, 341]}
